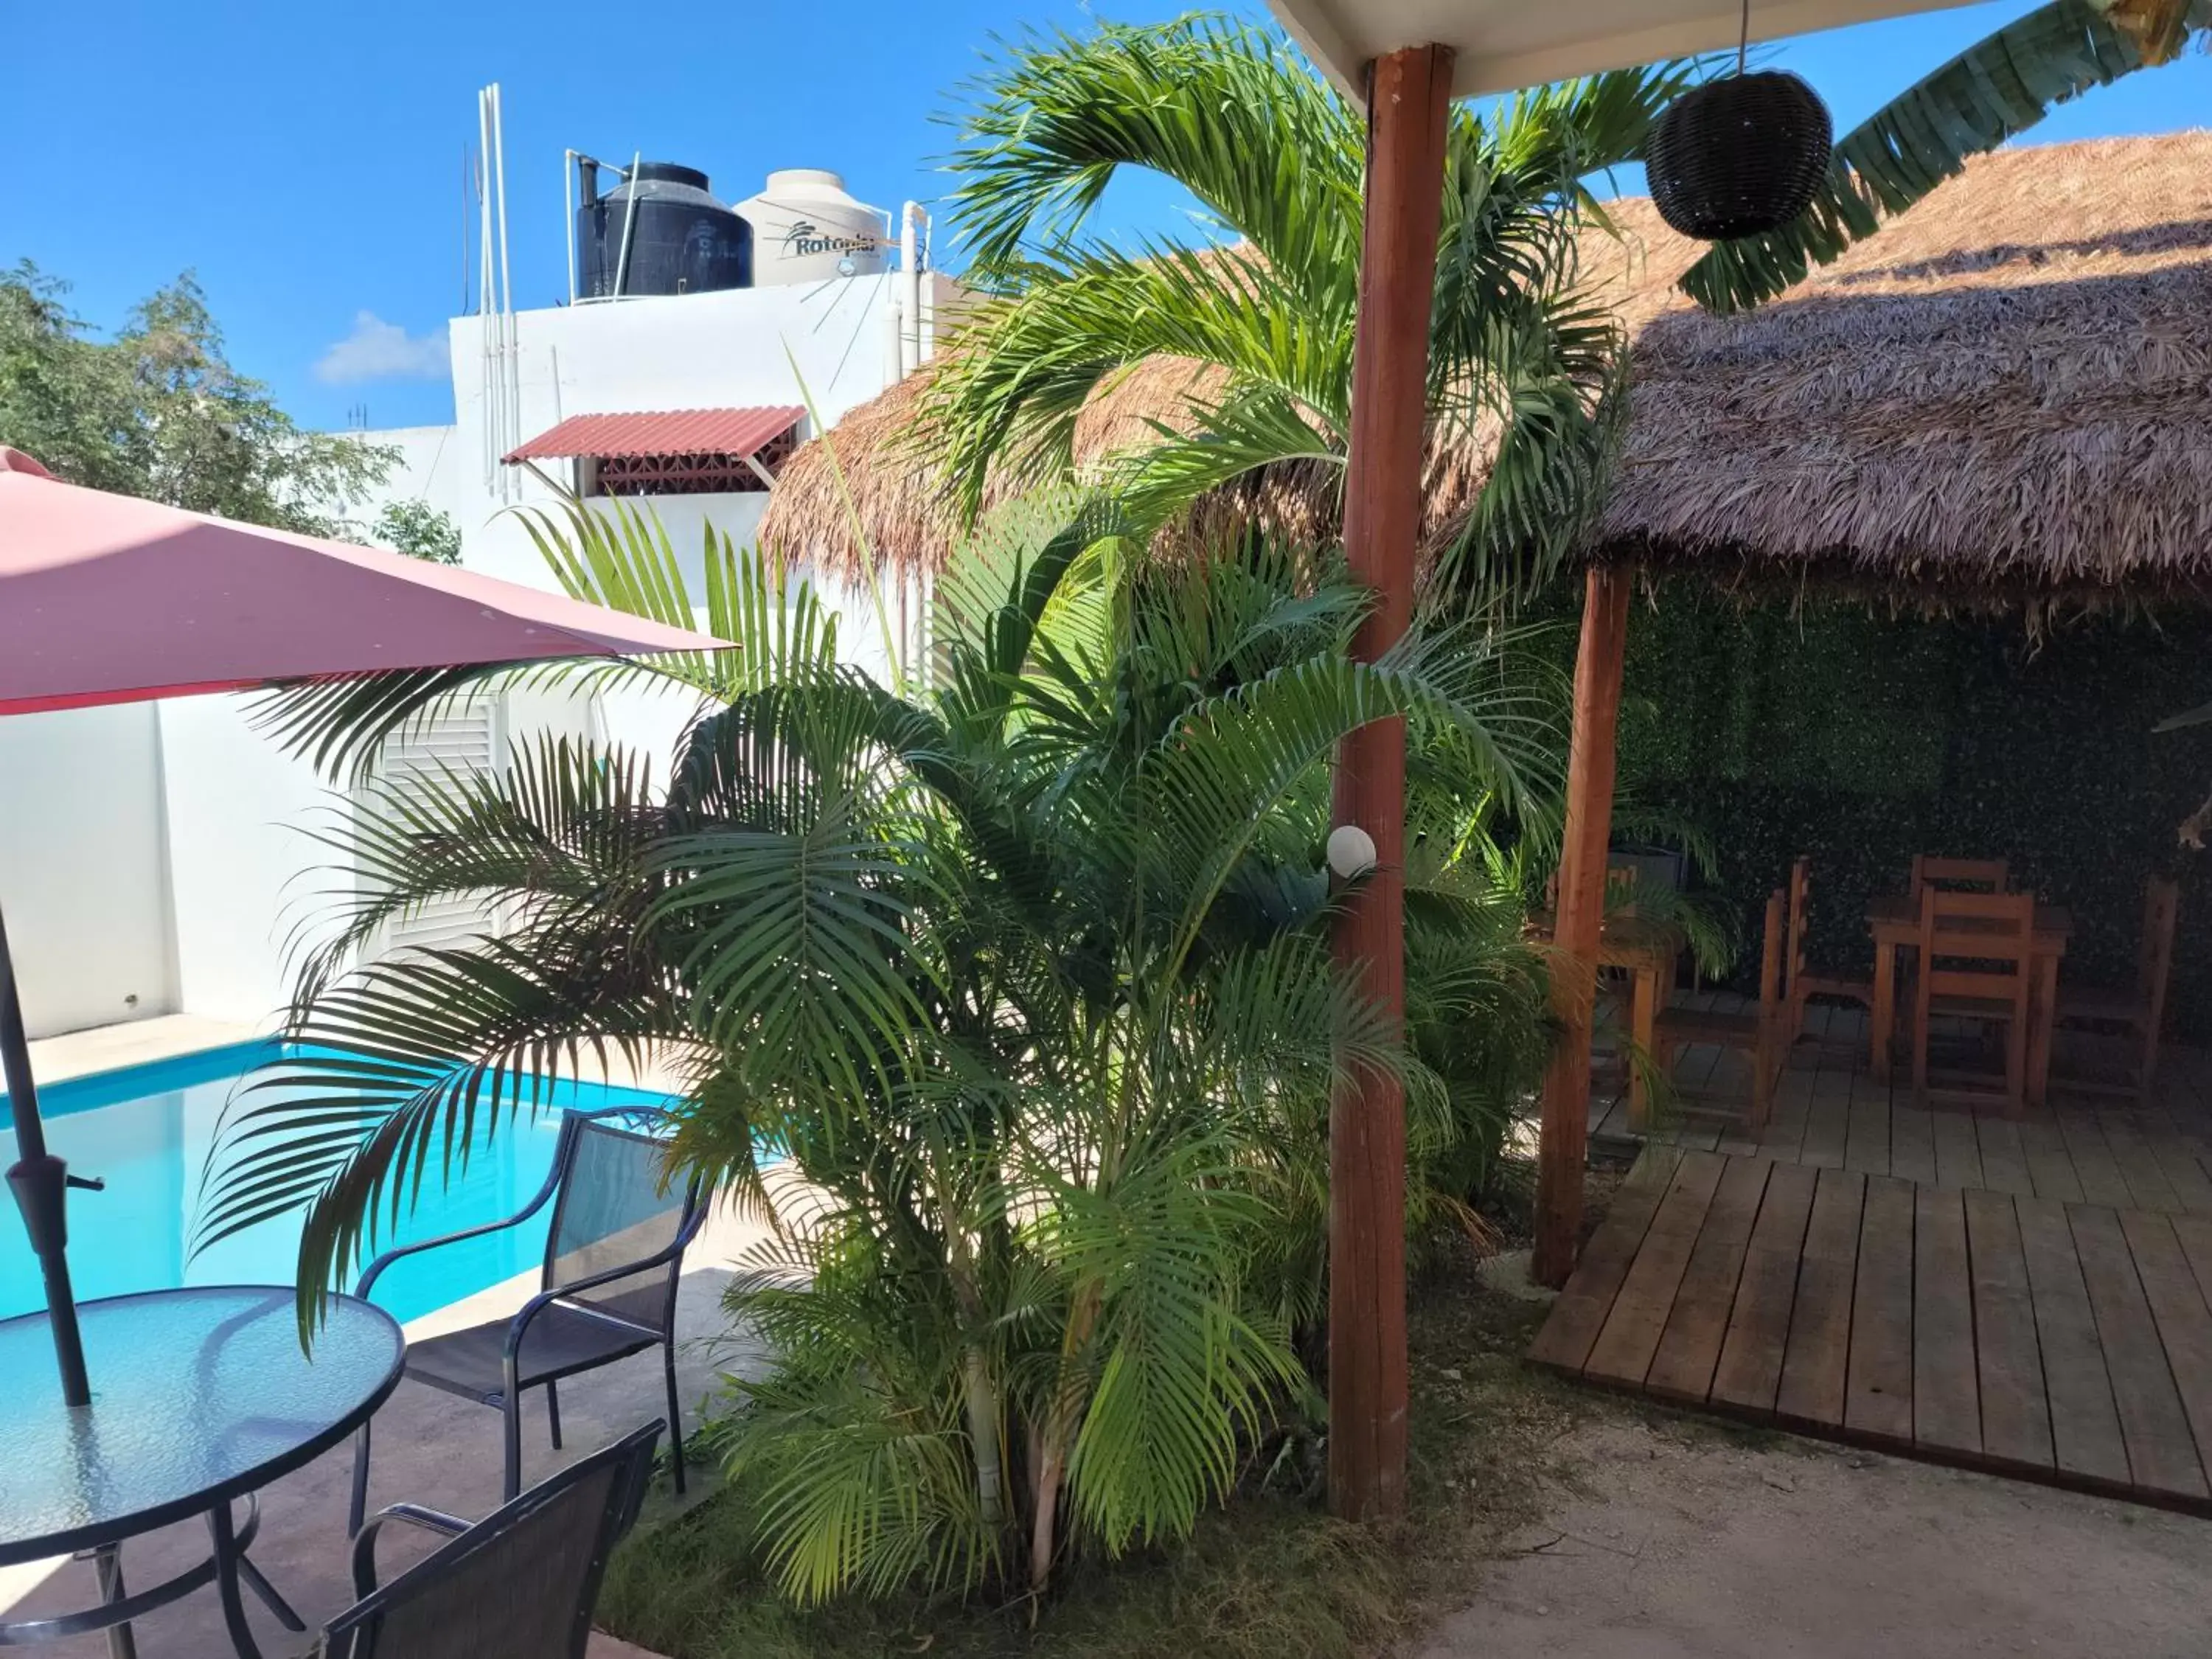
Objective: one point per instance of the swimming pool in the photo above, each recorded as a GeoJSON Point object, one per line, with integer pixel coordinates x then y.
{"type": "Point", "coordinates": [146, 1132]}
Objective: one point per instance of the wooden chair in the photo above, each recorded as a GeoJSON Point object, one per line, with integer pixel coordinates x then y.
{"type": "Point", "coordinates": [2141, 1011]}
{"type": "Point", "coordinates": [1802, 983]}
{"type": "Point", "coordinates": [1987, 875]}
{"type": "Point", "coordinates": [1760, 1033]}
{"type": "Point", "coordinates": [1620, 883]}
{"type": "Point", "coordinates": [1977, 962]}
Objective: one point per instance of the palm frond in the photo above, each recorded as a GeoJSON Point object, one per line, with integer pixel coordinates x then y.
{"type": "Point", "coordinates": [1007, 406]}
{"type": "Point", "coordinates": [412, 1059]}
{"type": "Point", "coordinates": [1997, 89]}
{"type": "Point", "coordinates": [1222, 109]}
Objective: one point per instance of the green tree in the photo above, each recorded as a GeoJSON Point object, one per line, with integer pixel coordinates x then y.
{"type": "Point", "coordinates": [1274, 157]}
{"type": "Point", "coordinates": [1997, 89]}
{"type": "Point", "coordinates": [420, 531]}
{"type": "Point", "coordinates": [158, 411]}
{"type": "Point", "coordinates": [1025, 976]}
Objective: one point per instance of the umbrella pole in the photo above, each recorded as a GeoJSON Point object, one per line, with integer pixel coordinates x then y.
{"type": "Point", "coordinates": [41, 1183]}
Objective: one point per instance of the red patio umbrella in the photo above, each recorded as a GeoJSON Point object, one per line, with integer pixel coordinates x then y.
{"type": "Point", "coordinates": [109, 599]}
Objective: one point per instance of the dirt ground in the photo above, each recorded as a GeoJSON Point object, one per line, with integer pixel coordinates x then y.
{"type": "Point", "coordinates": [1665, 1537]}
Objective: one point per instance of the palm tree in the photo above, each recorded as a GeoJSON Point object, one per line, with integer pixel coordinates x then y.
{"type": "Point", "coordinates": [1991, 92]}
{"type": "Point", "coordinates": [1274, 156]}
{"type": "Point", "coordinates": [1024, 977]}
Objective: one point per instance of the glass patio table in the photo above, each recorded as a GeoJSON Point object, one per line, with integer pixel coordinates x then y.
{"type": "Point", "coordinates": [200, 1397]}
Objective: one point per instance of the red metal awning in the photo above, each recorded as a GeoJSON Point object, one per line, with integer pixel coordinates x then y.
{"type": "Point", "coordinates": [662, 432]}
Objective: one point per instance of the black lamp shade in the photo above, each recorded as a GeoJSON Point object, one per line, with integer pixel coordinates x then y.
{"type": "Point", "coordinates": [1738, 156]}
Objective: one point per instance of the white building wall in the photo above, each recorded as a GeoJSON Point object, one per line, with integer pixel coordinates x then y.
{"type": "Point", "coordinates": [244, 870]}
{"type": "Point", "coordinates": [157, 859]}
{"type": "Point", "coordinates": [82, 874]}
{"type": "Point", "coordinates": [822, 346]}
{"type": "Point", "coordinates": [429, 468]}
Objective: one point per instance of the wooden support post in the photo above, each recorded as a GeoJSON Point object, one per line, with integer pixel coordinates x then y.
{"type": "Point", "coordinates": [1580, 915]}
{"type": "Point", "coordinates": [1408, 93]}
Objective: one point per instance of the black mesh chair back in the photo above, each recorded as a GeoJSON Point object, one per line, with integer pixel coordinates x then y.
{"type": "Point", "coordinates": [616, 1204]}
{"type": "Point", "coordinates": [519, 1584]}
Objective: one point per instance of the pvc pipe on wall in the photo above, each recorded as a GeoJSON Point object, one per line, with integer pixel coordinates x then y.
{"type": "Point", "coordinates": [568, 214]}
{"type": "Point", "coordinates": [485, 325]}
{"type": "Point", "coordinates": [911, 218]}
{"type": "Point", "coordinates": [629, 224]}
{"type": "Point", "coordinates": [510, 358]}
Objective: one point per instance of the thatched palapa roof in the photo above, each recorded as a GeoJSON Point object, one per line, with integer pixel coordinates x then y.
{"type": "Point", "coordinates": [2008, 389]}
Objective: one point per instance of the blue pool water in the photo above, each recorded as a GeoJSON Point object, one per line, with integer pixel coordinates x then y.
{"type": "Point", "coordinates": [146, 1132]}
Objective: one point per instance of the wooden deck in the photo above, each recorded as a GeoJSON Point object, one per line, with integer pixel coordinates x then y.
{"type": "Point", "coordinates": [2029, 1296]}
{"type": "Point", "coordinates": [1830, 1113]}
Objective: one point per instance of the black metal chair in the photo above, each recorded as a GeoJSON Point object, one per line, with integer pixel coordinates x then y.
{"type": "Point", "coordinates": [613, 1255]}
{"type": "Point", "coordinates": [522, 1583]}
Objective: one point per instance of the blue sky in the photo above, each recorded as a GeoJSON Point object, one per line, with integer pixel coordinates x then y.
{"type": "Point", "coordinates": [306, 161]}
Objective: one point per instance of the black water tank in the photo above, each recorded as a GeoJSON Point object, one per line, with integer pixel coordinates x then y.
{"type": "Point", "coordinates": [683, 241]}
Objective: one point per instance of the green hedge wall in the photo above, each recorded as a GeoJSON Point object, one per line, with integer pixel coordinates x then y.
{"type": "Point", "coordinates": [1861, 740]}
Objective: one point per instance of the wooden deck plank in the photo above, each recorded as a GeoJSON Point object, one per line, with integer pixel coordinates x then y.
{"type": "Point", "coordinates": [1629, 1336]}
{"type": "Point", "coordinates": [2161, 1452]}
{"type": "Point", "coordinates": [1736, 1138]}
{"type": "Point", "coordinates": [1911, 1139]}
{"type": "Point", "coordinates": [2195, 1234]}
{"type": "Point", "coordinates": [2084, 1423]}
{"type": "Point", "coordinates": [2092, 1159]}
{"type": "Point", "coordinates": [2005, 1317]}
{"type": "Point", "coordinates": [1817, 1361]}
{"type": "Point", "coordinates": [2004, 1159]}
{"type": "Point", "coordinates": [2015, 1410]}
{"type": "Point", "coordinates": [2178, 1309]}
{"type": "Point", "coordinates": [1784, 1139]}
{"type": "Point", "coordinates": [1866, 1144]}
{"type": "Point", "coordinates": [1958, 1152]}
{"type": "Point", "coordinates": [2179, 1155]}
{"type": "Point", "coordinates": [1580, 1313]}
{"type": "Point", "coordinates": [1690, 1347]}
{"type": "Point", "coordinates": [2145, 1180]}
{"type": "Point", "coordinates": [1750, 1368]}
{"type": "Point", "coordinates": [1827, 1119]}
{"type": "Point", "coordinates": [2049, 1165]}
{"type": "Point", "coordinates": [1878, 1396]}
{"type": "Point", "coordinates": [1604, 1106]}
{"type": "Point", "coordinates": [1946, 1390]}
{"type": "Point", "coordinates": [1696, 1070]}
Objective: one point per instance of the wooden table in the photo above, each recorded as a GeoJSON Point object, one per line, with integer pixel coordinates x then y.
{"type": "Point", "coordinates": [1894, 921]}
{"type": "Point", "coordinates": [1648, 950]}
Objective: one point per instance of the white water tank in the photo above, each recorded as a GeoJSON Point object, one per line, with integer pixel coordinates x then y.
{"type": "Point", "coordinates": [807, 229]}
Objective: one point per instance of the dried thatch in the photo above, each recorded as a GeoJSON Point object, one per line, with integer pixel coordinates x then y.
{"type": "Point", "coordinates": [2008, 390]}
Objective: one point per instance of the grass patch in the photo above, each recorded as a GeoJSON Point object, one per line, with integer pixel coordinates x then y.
{"type": "Point", "coordinates": [1264, 1578]}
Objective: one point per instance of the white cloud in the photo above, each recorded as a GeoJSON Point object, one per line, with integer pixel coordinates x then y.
{"type": "Point", "coordinates": [378, 350]}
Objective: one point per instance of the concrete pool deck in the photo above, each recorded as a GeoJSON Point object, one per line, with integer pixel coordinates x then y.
{"type": "Point", "coordinates": [431, 1447]}
{"type": "Point", "coordinates": [135, 1043]}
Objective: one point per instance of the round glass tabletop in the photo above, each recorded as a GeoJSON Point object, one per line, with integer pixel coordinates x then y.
{"type": "Point", "coordinates": [198, 1395]}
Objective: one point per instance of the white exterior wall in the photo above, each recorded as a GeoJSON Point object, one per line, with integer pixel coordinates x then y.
{"type": "Point", "coordinates": [428, 470]}
{"type": "Point", "coordinates": [825, 346]}
{"type": "Point", "coordinates": [157, 859]}
{"type": "Point", "coordinates": [82, 869]}
{"type": "Point", "coordinates": [243, 869]}
{"type": "Point", "coordinates": [829, 346]}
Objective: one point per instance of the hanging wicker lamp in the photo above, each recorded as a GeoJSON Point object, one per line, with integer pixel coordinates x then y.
{"type": "Point", "coordinates": [1738, 156]}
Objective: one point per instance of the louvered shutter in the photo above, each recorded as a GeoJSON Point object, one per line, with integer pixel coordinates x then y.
{"type": "Point", "coordinates": [464, 738]}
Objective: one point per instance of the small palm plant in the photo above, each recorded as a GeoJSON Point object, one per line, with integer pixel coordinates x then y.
{"type": "Point", "coordinates": [1523, 362]}
{"type": "Point", "coordinates": [1024, 979]}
